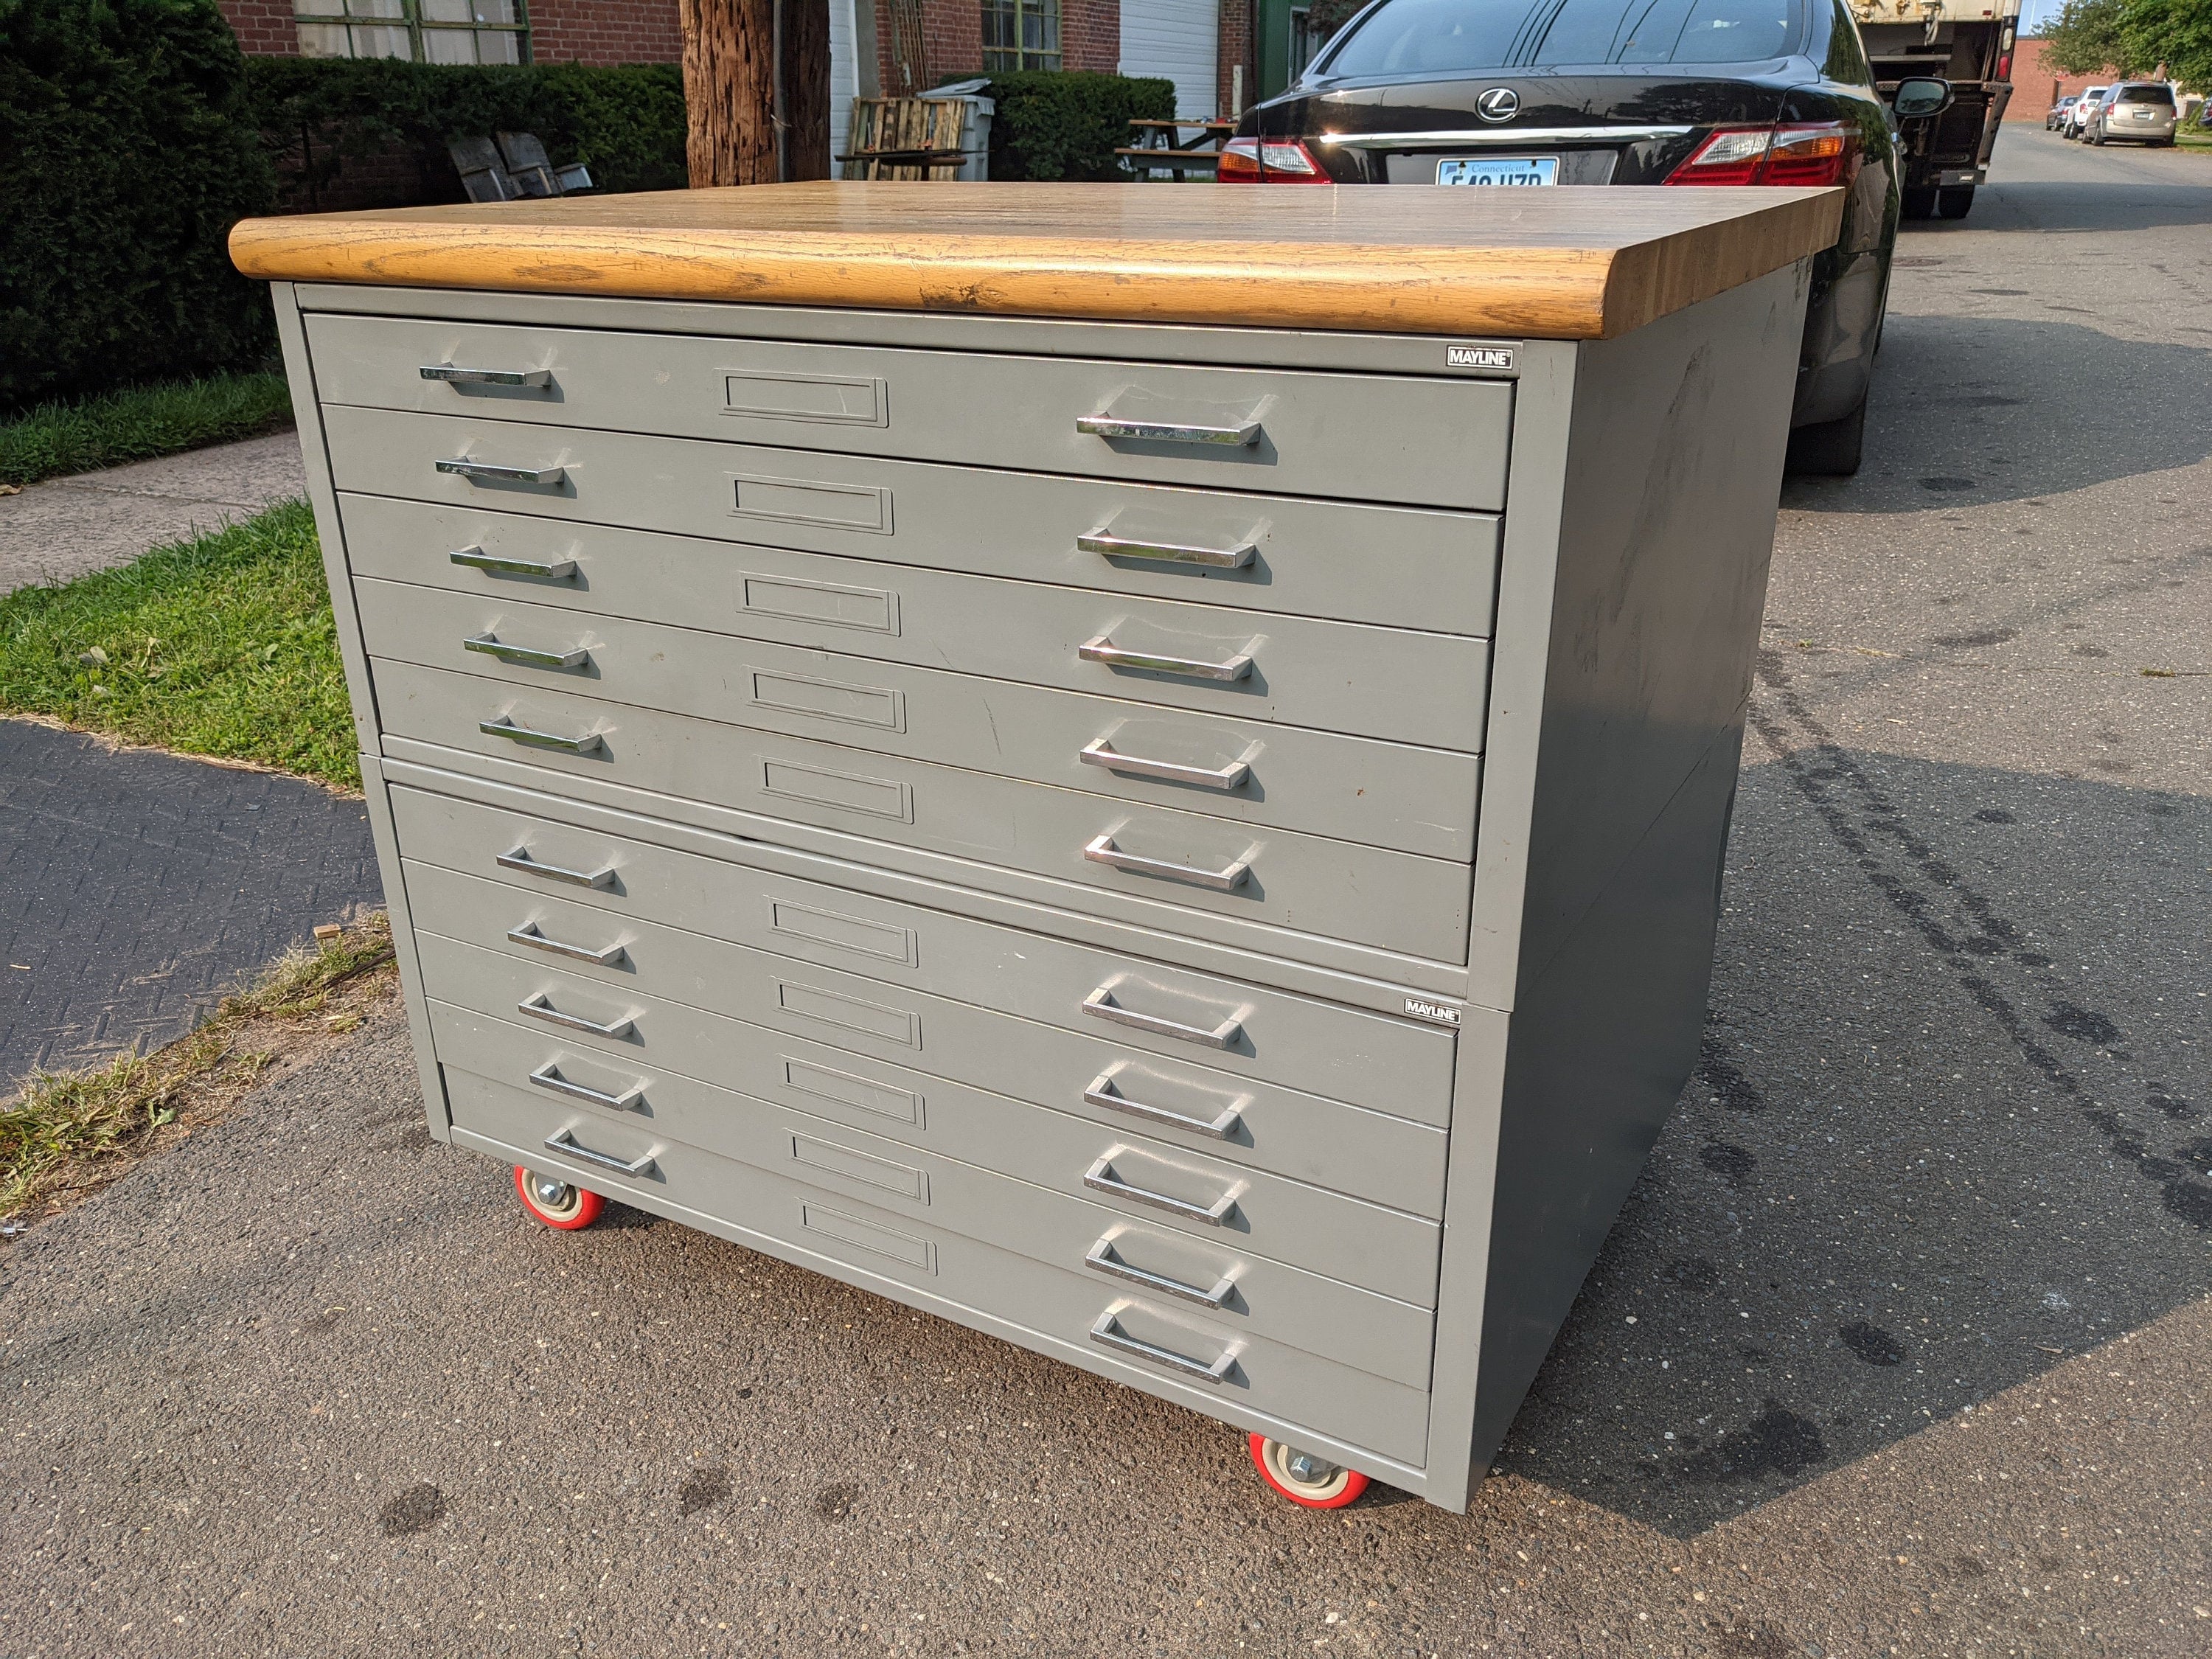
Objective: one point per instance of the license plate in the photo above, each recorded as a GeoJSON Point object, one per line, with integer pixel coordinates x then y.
{"type": "Point", "coordinates": [1499, 170]}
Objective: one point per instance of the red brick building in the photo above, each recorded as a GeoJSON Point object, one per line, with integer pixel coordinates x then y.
{"type": "Point", "coordinates": [2036, 86]}
{"type": "Point", "coordinates": [1210, 48]}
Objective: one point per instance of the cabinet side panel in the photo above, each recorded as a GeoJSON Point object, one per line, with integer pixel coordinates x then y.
{"type": "Point", "coordinates": [307, 411]}
{"type": "Point", "coordinates": [437, 1111]}
{"type": "Point", "coordinates": [1673, 478]}
{"type": "Point", "coordinates": [1600, 1049]}
{"type": "Point", "coordinates": [314, 451]}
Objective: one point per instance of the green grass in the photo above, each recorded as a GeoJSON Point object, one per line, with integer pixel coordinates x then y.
{"type": "Point", "coordinates": [139, 424]}
{"type": "Point", "coordinates": [2192, 137]}
{"type": "Point", "coordinates": [223, 645]}
{"type": "Point", "coordinates": [69, 1131]}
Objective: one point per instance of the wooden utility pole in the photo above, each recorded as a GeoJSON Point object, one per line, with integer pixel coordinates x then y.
{"type": "Point", "coordinates": [756, 90]}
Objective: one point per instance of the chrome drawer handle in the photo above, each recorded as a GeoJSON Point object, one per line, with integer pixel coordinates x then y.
{"type": "Point", "coordinates": [1238, 557]}
{"type": "Point", "coordinates": [589, 744]}
{"type": "Point", "coordinates": [1107, 1333]}
{"type": "Point", "coordinates": [526, 656]}
{"type": "Point", "coordinates": [477, 559]}
{"type": "Point", "coordinates": [1101, 1092]}
{"type": "Point", "coordinates": [1102, 753]}
{"type": "Point", "coordinates": [528, 934]}
{"type": "Point", "coordinates": [541, 1007]}
{"type": "Point", "coordinates": [488, 472]}
{"type": "Point", "coordinates": [1100, 1177]}
{"type": "Point", "coordinates": [1100, 1004]}
{"type": "Point", "coordinates": [1225, 880]}
{"type": "Point", "coordinates": [452, 376]}
{"type": "Point", "coordinates": [1102, 1259]}
{"type": "Point", "coordinates": [1103, 649]}
{"type": "Point", "coordinates": [565, 1143]}
{"type": "Point", "coordinates": [548, 1076]}
{"type": "Point", "coordinates": [1240, 436]}
{"type": "Point", "coordinates": [520, 859]}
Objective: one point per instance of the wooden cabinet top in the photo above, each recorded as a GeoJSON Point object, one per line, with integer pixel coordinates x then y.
{"type": "Point", "coordinates": [1561, 263]}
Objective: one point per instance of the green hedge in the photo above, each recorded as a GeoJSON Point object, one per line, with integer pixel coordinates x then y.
{"type": "Point", "coordinates": [126, 157]}
{"type": "Point", "coordinates": [1068, 124]}
{"type": "Point", "coordinates": [626, 124]}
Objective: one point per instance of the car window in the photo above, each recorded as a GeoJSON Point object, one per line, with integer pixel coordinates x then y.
{"type": "Point", "coordinates": [1409, 37]}
{"type": "Point", "coordinates": [2147, 95]}
{"type": "Point", "coordinates": [1847, 60]}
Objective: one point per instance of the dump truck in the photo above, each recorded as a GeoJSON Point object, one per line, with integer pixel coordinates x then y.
{"type": "Point", "coordinates": [1968, 43]}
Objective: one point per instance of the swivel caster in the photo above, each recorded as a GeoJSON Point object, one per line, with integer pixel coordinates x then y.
{"type": "Point", "coordinates": [1302, 1477]}
{"type": "Point", "coordinates": [555, 1202]}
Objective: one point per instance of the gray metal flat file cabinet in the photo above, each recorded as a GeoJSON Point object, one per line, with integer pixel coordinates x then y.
{"type": "Point", "coordinates": [1142, 769]}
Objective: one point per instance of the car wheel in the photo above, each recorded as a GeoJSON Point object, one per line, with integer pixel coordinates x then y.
{"type": "Point", "coordinates": [1828, 449]}
{"type": "Point", "coordinates": [1918, 203]}
{"type": "Point", "coordinates": [1955, 202]}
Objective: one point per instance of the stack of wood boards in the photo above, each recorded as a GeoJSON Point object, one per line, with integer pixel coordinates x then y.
{"type": "Point", "coordinates": [904, 139]}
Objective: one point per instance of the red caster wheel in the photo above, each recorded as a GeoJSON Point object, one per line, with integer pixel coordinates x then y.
{"type": "Point", "coordinates": [1305, 1478]}
{"type": "Point", "coordinates": [555, 1202]}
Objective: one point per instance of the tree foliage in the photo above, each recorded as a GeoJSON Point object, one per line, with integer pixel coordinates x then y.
{"type": "Point", "coordinates": [2133, 39]}
{"type": "Point", "coordinates": [2175, 32]}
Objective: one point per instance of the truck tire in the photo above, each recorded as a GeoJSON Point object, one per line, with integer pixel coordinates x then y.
{"type": "Point", "coordinates": [1828, 449]}
{"type": "Point", "coordinates": [1955, 201]}
{"type": "Point", "coordinates": [1918, 202]}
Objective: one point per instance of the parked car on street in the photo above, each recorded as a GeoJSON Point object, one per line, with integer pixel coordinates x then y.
{"type": "Point", "coordinates": [2057, 118]}
{"type": "Point", "coordinates": [1536, 92]}
{"type": "Point", "coordinates": [2071, 126]}
{"type": "Point", "coordinates": [2134, 112]}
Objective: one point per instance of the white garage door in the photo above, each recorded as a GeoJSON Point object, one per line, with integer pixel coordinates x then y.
{"type": "Point", "coordinates": [1180, 39]}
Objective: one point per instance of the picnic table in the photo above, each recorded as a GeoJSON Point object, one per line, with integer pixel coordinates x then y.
{"type": "Point", "coordinates": [1159, 146]}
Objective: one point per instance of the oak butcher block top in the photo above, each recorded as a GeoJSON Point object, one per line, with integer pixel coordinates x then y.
{"type": "Point", "coordinates": [1565, 263]}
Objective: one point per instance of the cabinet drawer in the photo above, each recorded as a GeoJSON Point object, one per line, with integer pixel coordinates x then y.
{"type": "Point", "coordinates": [1383, 566]}
{"type": "Point", "coordinates": [1362, 437]}
{"type": "Point", "coordinates": [656, 992]}
{"type": "Point", "coordinates": [1384, 794]}
{"type": "Point", "coordinates": [1394, 684]}
{"type": "Point", "coordinates": [1177, 1023]}
{"type": "Point", "coordinates": [1016, 1194]}
{"type": "Point", "coordinates": [1039, 1305]}
{"type": "Point", "coordinates": [1371, 896]}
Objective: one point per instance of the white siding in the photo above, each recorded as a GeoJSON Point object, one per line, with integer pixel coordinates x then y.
{"type": "Point", "coordinates": [1180, 39]}
{"type": "Point", "coordinates": [844, 77]}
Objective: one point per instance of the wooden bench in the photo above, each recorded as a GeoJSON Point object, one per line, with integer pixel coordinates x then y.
{"type": "Point", "coordinates": [1159, 147]}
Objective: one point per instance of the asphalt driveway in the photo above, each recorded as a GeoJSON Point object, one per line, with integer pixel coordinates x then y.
{"type": "Point", "coordinates": [1901, 1345]}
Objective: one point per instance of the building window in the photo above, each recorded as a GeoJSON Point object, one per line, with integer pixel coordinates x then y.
{"type": "Point", "coordinates": [427, 31]}
{"type": "Point", "coordinates": [1021, 35]}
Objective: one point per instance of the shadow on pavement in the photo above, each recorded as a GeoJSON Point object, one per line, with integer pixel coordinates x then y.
{"type": "Point", "coordinates": [2119, 205]}
{"type": "Point", "coordinates": [1954, 1123]}
{"type": "Point", "coordinates": [1970, 410]}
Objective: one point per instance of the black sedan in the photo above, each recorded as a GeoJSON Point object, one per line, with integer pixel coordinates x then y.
{"type": "Point", "coordinates": [1536, 92]}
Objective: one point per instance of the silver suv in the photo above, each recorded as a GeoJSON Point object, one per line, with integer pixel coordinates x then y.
{"type": "Point", "coordinates": [2135, 113]}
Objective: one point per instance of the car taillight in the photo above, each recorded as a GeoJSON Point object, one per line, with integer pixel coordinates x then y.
{"type": "Point", "coordinates": [1269, 161]}
{"type": "Point", "coordinates": [2004, 68]}
{"type": "Point", "coordinates": [1825, 153]}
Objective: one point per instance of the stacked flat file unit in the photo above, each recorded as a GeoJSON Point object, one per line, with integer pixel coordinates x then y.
{"type": "Point", "coordinates": [1143, 770]}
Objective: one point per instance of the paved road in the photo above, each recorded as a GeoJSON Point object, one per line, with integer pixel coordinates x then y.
{"type": "Point", "coordinates": [1901, 1347]}
{"type": "Point", "coordinates": [66, 527]}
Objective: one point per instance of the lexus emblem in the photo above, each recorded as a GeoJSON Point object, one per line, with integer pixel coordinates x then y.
{"type": "Point", "coordinates": [1499, 104]}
